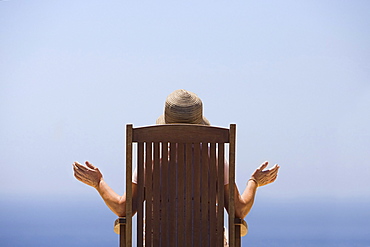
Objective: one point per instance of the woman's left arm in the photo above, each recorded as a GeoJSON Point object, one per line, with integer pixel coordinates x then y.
{"type": "Point", "coordinates": [244, 202]}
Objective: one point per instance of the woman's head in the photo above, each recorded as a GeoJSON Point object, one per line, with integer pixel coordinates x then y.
{"type": "Point", "coordinates": [182, 106]}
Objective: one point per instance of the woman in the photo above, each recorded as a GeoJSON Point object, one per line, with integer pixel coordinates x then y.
{"type": "Point", "coordinates": [181, 106]}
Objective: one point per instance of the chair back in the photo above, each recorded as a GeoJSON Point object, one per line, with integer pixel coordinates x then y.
{"type": "Point", "coordinates": [181, 173]}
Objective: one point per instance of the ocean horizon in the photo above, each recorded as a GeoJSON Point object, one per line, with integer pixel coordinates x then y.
{"type": "Point", "coordinates": [80, 221]}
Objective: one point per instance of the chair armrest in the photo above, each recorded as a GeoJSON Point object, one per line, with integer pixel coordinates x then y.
{"type": "Point", "coordinates": [118, 223]}
{"type": "Point", "coordinates": [243, 226]}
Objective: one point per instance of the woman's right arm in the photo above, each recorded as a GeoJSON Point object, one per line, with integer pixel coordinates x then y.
{"type": "Point", "coordinates": [92, 176]}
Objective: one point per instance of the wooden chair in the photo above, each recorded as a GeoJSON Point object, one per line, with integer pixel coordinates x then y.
{"type": "Point", "coordinates": [181, 199]}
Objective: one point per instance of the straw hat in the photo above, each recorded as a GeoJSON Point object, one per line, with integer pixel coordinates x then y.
{"type": "Point", "coordinates": [182, 106]}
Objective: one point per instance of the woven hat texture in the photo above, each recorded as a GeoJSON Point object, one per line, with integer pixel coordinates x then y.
{"type": "Point", "coordinates": [183, 106]}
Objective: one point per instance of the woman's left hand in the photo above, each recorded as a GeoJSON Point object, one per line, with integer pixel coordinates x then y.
{"type": "Point", "coordinates": [264, 177]}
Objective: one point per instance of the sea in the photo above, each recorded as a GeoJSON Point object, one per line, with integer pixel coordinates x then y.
{"type": "Point", "coordinates": [61, 221]}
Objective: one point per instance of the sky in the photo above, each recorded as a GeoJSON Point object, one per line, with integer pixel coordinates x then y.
{"type": "Point", "coordinates": [293, 75]}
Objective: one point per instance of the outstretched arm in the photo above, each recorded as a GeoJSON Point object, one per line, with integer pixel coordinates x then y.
{"type": "Point", "coordinates": [92, 176]}
{"type": "Point", "coordinates": [260, 177]}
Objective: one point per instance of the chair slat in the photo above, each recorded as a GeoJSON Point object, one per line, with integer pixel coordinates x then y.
{"type": "Point", "coordinates": [220, 193]}
{"type": "Point", "coordinates": [140, 191]}
{"type": "Point", "coordinates": [204, 188]}
{"type": "Point", "coordinates": [189, 213]}
{"type": "Point", "coordinates": [212, 194]}
{"type": "Point", "coordinates": [156, 194]}
{"type": "Point", "coordinates": [148, 195]}
{"type": "Point", "coordinates": [165, 196]}
{"type": "Point", "coordinates": [196, 194]}
{"type": "Point", "coordinates": [181, 195]}
{"type": "Point", "coordinates": [172, 195]}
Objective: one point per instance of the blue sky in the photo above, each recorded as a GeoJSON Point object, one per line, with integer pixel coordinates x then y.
{"type": "Point", "coordinates": [293, 75]}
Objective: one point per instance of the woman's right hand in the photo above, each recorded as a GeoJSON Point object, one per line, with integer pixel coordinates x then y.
{"type": "Point", "coordinates": [88, 174]}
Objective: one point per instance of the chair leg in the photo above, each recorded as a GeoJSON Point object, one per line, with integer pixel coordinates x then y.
{"type": "Point", "coordinates": [237, 236]}
{"type": "Point", "coordinates": [120, 229]}
{"type": "Point", "coordinates": [122, 235]}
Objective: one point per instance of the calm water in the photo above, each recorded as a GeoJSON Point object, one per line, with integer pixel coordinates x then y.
{"type": "Point", "coordinates": [41, 221]}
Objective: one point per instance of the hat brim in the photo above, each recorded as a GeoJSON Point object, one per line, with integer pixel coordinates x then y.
{"type": "Point", "coordinates": [162, 120]}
